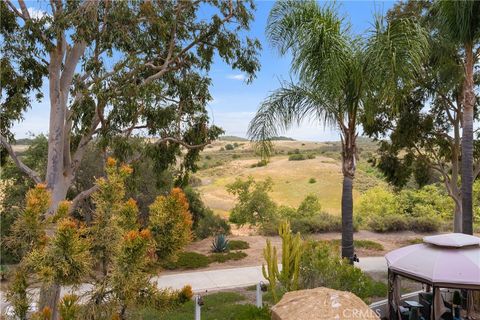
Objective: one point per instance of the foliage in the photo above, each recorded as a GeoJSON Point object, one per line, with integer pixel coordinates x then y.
{"type": "Point", "coordinates": [292, 247]}
{"type": "Point", "coordinates": [130, 274]}
{"type": "Point", "coordinates": [220, 243]}
{"type": "Point", "coordinates": [210, 225]}
{"type": "Point", "coordinates": [422, 210]}
{"type": "Point", "coordinates": [261, 163]}
{"type": "Point", "coordinates": [185, 294]}
{"type": "Point", "coordinates": [321, 266]}
{"type": "Point", "coordinates": [229, 147]}
{"type": "Point", "coordinates": [69, 308]}
{"type": "Point", "coordinates": [27, 232]}
{"type": "Point", "coordinates": [17, 294]}
{"type": "Point", "coordinates": [187, 260]}
{"type": "Point", "coordinates": [296, 157]}
{"type": "Point", "coordinates": [224, 257]}
{"type": "Point", "coordinates": [321, 222]}
{"type": "Point", "coordinates": [170, 222]}
{"type": "Point", "coordinates": [270, 272]}
{"type": "Point", "coordinates": [253, 202]}
{"type": "Point", "coordinates": [238, 245]}
{"type": "Point", "coordinates": [66, 259]}
{"type": "Point", "coordinates": [312, 180]}
{"type": "Point", "coordinates": [310, 206]}
{"type": "Point", "coordinates": [221, 305]}
{"type": "Point", "coordinates": [204, 222]}
{"type": "Point", "coordinates": [361, 244]}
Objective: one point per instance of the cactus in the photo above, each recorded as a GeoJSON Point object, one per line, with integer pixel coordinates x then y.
{"type": "Point", "coordinates": [271, 272]}
{"type": "Point", "coordinates": [292, 249]}
{"type": "Point", "coordinates": [220, 243]}
{"type": "Point", "coordinates": [291, 254]}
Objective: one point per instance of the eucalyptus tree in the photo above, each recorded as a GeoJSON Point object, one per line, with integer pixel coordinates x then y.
{"type": "Point", "coordinates": [459, 22]}
{"type": "Point", "coordinates": [339, 76]}
{"type": "Point", "coordinates": [424, 132]}
{"type": "Point", "coordinates": [114, 69]}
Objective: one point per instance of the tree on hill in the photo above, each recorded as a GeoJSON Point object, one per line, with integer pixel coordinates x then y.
{"type": "Point", "coordinates": [339, 76]}
{"type": "Point", "coordinates": [115, 69]}
{"type": "Point", "coordinates": [425, 130]}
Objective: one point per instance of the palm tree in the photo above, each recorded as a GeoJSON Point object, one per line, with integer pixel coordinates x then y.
{"type": "Point", "coordinates": [338, 77]}
{"type": "Point", "coordinates": [459, 21]}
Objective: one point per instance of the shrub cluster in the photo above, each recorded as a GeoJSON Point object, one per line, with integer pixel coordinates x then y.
{"type": "Point", "coordinates": [422, 210]}
{"type": "Point", "coordinates": [300, 157]}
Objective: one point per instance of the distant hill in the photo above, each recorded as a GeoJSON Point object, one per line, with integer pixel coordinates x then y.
{"type": "Point", "coordinates": [231, 138]}
{"type": "Point", "coordinates": [282, 138]}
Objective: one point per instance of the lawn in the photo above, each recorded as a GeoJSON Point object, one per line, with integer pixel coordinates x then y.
{"type": "Point", "coordinates": [217, 306]}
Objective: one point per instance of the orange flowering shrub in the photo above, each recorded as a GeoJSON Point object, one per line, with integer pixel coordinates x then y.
{"type": "Point", "coordinates": [170, 222]}
{"type": "Point", "coordinates": [185, 294]}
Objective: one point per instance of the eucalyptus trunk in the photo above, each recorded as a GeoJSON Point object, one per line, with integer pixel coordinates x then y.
{"type": "Point", "coordinates": [348, 170]}
{"type": "Point", "coordinates": [467, 141]}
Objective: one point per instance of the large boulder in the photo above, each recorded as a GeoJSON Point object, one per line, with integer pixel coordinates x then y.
{"type": "Point", "coordinates": [321, 303]}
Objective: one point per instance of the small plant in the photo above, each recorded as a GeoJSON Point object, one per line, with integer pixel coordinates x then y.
{"type": "Point", "coordinates": [185, 294]}
{"type": "Point", "coordinates": [68, 307]}
{"type": "Point", "coordinates": [312, 180]}
{"type": "Point", "coordinates": [187, 260]}
{"type": "Point", "coordinates": [220, 243]}
{"type": "Point", "coordinates": [296, 157]}
{"type": "Point", "coordinates": [229, 147]}
{"type": "Point", "coordinates": [208, 157]}
{"type": "Point", "coordinates": [224, 257]}
{"type": "Point", "coordinates": [238, 245]}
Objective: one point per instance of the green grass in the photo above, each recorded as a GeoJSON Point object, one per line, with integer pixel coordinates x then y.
{"type": "Point", "coordinates": [193, 260]}
{"type": "Point", "coordinates": [237, 245]}
{"type": "Point", "coordinates": [224, 257]}
{"type": "Point", "coordinates": [218, 306]}
{"type": "Point", "coordinates": [362, 244]}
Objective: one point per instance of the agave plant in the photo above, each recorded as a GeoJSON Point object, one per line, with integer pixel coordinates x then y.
{"type": "Point", "coordinates": [220, 243]}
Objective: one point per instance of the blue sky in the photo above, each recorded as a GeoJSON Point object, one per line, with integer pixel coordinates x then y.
{"type": "Point", "coordinates": [235, 102]}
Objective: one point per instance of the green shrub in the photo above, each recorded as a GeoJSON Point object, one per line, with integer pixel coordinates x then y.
{"type": "Point", "coordinates": [208, 157]}
{"type": "Point", "coordinates": [388, 223]}
{"type": "Point", "coordinates": [253, 205]}
{"type": "Point", "coordinates": [310, 156]}
{"type": "Point", "coordinates": [312, 180]}
{"type": "Point", "coordinates": [210, 225]}
{"type": "Point", "coordinates": [361, 244]}
{"type": "Point", "coordinates": [238, 245]}
{"type": "Point", "coordinates": [187, 260]}
{"type": "Point", "coordinates": [296, 157]}
{"type": "Point", "coordinates": [235, 156]}
{"type": "Point", "coordinates": [269, 228]}
{"type": "Point", "coordinates": [425, 224]}
{"type": "Point", "coordinates": [229, 147]}
{"type": "Point", "coordinates": [322, 222]}
{"type": "Point", "coordinates": [261, 163]}
{"type": "Point", "coordinates": [321, 266]}
{"type": "Point", "coordinates": [310, 206]}
{"type": "Point", "coordinates": [224, 257]}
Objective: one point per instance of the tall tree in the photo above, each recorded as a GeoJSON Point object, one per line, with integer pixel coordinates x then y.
{"type": "Point", "coordinates": [338, 77]}
{"type": "Point", "coordinates": [459, 21]}
{"type": "Point", "coordinates": [424, 132]}
{"type": "Point", "coordinates": [114, 69]}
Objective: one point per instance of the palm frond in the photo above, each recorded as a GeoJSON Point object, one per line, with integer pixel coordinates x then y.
{"type": "Point", "coordinates": [284, 108]}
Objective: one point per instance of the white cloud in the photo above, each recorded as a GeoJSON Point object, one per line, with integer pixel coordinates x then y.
{"type": "Point", "coordinates": [239, 77]}
{"type": "Point", "coordinates": [36, 14]}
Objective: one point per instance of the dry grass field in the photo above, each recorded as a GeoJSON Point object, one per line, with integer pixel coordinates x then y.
{"type": "Point", "coordinates": [291, 178]}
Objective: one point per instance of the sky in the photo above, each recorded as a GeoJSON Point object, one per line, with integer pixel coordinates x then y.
{"type": "Point", "coordinates": [234, 101]}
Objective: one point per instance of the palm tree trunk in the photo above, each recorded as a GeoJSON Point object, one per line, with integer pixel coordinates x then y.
{"type": "Point", "coordinates": [467, 141]}
{"type": "Point", "coordinates": [349, 154]}
{"type": "Point", "coordinates": [347, 218]}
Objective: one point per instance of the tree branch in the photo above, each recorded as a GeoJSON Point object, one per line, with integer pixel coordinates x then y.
{"type": "Point", "coordinates": [22, 166]}
{"type": "Point", "coordinates": [81, 196]}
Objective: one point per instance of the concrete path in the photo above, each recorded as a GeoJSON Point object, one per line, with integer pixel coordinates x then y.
{"type": "Point", "coordinates": [241, 277]}
{"type": "Point", "coordinates": [212, 280]}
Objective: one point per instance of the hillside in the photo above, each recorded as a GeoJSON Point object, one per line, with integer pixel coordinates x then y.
{"type": "Point", "coordinates": [291, 178]}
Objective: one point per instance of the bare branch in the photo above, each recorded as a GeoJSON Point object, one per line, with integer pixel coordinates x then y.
{"type": "Point", "coordinates": [22, 166]}
{"type": "Point", "coordinates": [15, 10]}
{"type": "Point", "coordinates": [81, 196]}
